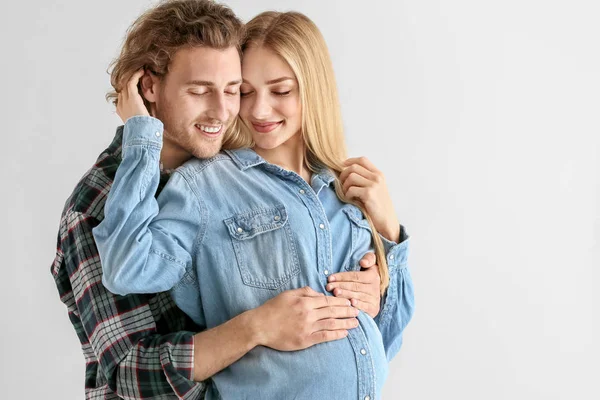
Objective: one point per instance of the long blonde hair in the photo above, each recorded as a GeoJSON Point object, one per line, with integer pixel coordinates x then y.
{"type": "Point", "coordinates": [296, 39]}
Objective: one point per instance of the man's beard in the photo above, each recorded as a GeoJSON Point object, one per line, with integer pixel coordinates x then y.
{"type": "Point", "coordinates": [189, 138]}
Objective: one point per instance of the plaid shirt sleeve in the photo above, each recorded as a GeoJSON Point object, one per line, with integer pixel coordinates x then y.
{"type": "Point", "coordinates": [119, 333]}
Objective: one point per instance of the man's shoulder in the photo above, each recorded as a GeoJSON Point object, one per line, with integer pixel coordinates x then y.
{"type": "Point", "coordinates": [90, 193]}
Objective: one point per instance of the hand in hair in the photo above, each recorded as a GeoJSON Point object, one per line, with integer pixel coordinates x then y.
{"type": "Point", "coordinates": [129, 100]}
{"type": "Point", "coordinates": [360, 287]}
{"type": "Point", "coordinates": [363, 182]}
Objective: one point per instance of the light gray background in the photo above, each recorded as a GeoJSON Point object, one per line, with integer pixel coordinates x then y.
{"type": "Point", "coordinates": [484, 115]}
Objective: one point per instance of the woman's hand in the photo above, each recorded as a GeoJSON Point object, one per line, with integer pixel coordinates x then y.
{"type": "Point", "coordinates": [362, 182]}
{"type": "Point", "coordinates": [129, 100]}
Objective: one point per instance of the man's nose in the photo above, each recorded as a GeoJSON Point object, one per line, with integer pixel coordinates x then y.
{"type": "Point", "coordinates": [218, 108]}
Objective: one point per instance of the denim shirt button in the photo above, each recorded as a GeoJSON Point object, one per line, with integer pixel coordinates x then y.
{"type": "Point", "coordinates": [157, 133]}
{"type": "Point", "coordinates": [363, 351]}
{"type": "Point", "coordinates": [391, 256]}
{"type": "Point", "coordinates": [302, 191]}
{"type": "Point", "coordinates": [277, 218]}
{"type": "Point", "coordinates": [326, 272]}
{"type": "Point", "coordinates": [321, 226]}
{"type": "Point", "coordinates": [240, 230]}
{"type": "Point", "coordinates": [367, 397]}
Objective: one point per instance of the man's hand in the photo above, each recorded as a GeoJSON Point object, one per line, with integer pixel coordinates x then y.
{"type": "Point", "coordinates": [129, 100]}
{"type": "Point", "coordinates": [360, 287]}
{"type": "Point", "coordinates": [300, 318]}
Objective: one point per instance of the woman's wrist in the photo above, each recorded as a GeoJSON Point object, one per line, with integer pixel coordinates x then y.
{"type": "Point", "coordinates": [391, 232]}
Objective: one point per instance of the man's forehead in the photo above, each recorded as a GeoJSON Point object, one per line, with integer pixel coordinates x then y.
{"type": "Point", "coordinates": [205, 65]}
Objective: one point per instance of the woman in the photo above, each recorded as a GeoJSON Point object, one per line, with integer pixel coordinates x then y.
{"type": "Point", "coordinates": [280, 215]}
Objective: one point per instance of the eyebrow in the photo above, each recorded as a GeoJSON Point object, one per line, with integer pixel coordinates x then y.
{"type": "Point", "coordinates": [273, 81]}
{"type": "Point", "coordinates": [211, 84]}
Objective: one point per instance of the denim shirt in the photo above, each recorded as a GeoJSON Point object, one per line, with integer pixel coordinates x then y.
{"type": "Point", "coordinates": [229, 233]}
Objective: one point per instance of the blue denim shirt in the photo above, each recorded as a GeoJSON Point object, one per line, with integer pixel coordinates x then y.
{"type": "Point", "coordinates": [229, 233]}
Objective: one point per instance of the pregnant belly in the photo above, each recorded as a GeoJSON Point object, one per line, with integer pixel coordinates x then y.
{"type": "Point", "coordinates": [327, 370]}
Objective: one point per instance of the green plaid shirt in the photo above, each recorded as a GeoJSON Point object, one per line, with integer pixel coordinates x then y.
{"type": "Point", "coordinates": [136, 346]}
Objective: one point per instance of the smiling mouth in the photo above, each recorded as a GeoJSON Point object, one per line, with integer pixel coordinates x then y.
{"type": "Point", "coordinates": [265, 127]}
{"type": "Point", "coordinates": [212, 131]}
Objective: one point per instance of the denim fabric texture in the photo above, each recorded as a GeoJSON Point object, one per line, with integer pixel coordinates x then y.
{"type": "Point", "coordinates": [227, 234]}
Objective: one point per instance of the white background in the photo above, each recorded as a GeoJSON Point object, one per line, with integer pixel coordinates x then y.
{"type": "Point", "coordinates": [484, 115]}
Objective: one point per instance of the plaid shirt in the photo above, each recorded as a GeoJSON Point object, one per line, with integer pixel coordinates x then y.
{"type": "Point", "coordinates": [135, 346]}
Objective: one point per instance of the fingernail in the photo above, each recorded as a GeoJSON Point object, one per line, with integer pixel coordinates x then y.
{"type": "Point", "coordinates": [328, 287]}
{"type": "Point", "coordinates": [332, 278]}
{"type": "Point", "coordinates": [348, 302]}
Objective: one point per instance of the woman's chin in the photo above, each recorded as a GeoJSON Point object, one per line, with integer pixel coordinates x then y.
{"type": "Point", "coordinates": [263, 143]}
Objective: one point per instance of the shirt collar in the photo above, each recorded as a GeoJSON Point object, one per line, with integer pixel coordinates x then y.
{"type": "Point", "coordinates": [245, 158]}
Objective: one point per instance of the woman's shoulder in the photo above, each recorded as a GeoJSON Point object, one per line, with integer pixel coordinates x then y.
{"type": "Point", "coordinates": [197, 166]}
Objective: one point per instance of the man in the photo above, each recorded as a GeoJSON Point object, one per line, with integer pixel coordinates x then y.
{"type": "Point", "coordinates": [142, 346]}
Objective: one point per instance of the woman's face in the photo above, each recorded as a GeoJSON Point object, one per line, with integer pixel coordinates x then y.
{"type": "Point", "coordinates": [270, 101]}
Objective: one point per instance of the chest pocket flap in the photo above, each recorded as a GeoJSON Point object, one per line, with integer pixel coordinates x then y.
{"type": "Point", "coordinates": [248, 225]}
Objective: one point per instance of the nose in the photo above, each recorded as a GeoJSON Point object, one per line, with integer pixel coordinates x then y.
{"type": "Point", "coordinates": [218, 108]}
{"type": "Point", "coordinates": [260, 109]}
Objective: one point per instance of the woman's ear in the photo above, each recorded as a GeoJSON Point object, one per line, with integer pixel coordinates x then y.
{"type": "Point", "coordinates": [149, 84]}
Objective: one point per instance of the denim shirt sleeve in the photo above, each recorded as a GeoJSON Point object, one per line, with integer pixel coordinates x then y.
{"type": "Point", "coordinates": [398, 303]}
{"type": "Point", "coordinates": [141, 249]}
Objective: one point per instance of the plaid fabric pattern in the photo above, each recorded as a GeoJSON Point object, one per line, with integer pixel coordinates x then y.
{"type": "Point", "coordinates": [136, 346]}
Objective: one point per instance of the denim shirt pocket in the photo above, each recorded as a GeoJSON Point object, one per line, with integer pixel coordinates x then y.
{"type": "Point", "coordinates": [361, 236]}
{"type": "Point", "coordinates": [264, 247]}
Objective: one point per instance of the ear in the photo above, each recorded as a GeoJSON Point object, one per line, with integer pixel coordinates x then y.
{"type": "Point", "coordinates": [150, 85]}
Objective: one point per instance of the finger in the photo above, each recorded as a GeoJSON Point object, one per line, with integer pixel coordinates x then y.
{"type": "Point", "coordinates": [355, 192]}
{"type": "Point", "coordinates": [119, 104]}
{"type": "Point", "coordinates": [134, 80]}
{"type": "Point", "coordinates": [364, 161]}
{"type": "Point", "coordinates": [351, 276]}
{"type": "Point", "coordinates": [358, 169]}
{"type": "Point", "coordinates": [335, 312]}
{"type": "Point", "coordinates": [326, 336]}
{"type": "Point", "coordinates": [327, 301]}
{"type": "Point", "coordinates": [123, 96]}
{"type": "Point", "coordinates": [354, 179]}
{"type": "Point", "coordinates": [334, 324]}
{"type": "Point", "coordinates": [369, 308]}
{"type": "Point", "coordinates": [369, 260]}
{"type": "Point", "coordinates": [349, 294]}
{"type": "Point", "coordinates": [353, 286]}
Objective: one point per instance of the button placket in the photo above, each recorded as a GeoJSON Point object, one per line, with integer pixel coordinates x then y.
{"type": "Point", "coordinates": [366, 381]}
{"type": "Point", "coordinates": [315, 208]}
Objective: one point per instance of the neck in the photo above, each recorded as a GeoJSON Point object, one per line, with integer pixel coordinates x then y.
{"type": "Point", "coordinates": [289, 155]}
{"type": "Point", "coordinates": [171, 155]}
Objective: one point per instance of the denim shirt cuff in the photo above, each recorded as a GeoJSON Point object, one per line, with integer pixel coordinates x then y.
{"type": "Point", "coordinates": [397, 253]}
{"type": "Point", "coordinates": [143, 130]}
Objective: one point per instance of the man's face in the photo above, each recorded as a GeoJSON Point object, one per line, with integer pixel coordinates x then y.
{"type": "Point", "coordinates": [198, 99]}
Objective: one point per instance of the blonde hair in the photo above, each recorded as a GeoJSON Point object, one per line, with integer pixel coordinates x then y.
{"type": "Point", "coordinates": [296, 39]}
